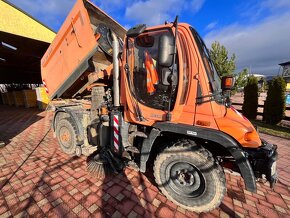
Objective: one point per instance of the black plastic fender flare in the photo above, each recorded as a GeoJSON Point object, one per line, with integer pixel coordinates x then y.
{"type": "Point", "coordinates": [74, 117]}
{"type": "Point", "coordinates": [209, 134]}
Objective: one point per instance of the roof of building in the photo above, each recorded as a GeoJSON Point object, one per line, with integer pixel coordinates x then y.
{"type": "Point", "coordinates": [24, 41]}
{"type": "Point", "coordinates": [285, 63]}
{"type": "Point", "coordinates": [258, 75]}
{"type": "Point", "coordinates": [16, 21]}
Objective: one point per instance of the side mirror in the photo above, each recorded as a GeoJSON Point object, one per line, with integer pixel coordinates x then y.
{"type": "Point", "coordinates": [168, 78]}
{"type": "Point", "coordinates": [227, 83]}
{"type": "Point", "coordinates": [136, 30]}
{"type": "Point", "coordinates": [165, 50]}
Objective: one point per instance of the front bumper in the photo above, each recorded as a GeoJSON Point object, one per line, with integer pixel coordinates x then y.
{"type": "Point", "coordinates": [264, 162]}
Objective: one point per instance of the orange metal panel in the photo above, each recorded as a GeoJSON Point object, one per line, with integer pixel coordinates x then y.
{"type": "Point", "coordinates": [66, 60]}
{"type": "Point", "coordinates": [234, 124]}
{"type": "Point", "coordinates": [74, 41]}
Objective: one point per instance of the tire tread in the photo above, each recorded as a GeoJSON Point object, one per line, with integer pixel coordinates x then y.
{"type": "Point", "coordinates": [185, 145]}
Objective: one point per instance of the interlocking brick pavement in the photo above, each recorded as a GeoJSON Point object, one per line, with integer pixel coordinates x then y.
{"type": "Point", "coordinates": [40, 181]}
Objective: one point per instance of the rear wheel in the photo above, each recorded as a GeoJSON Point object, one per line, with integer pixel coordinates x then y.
{"type": "Point", "coordinates": [188, 175]}
{"type": "Point", "coordinates": [66, 135]}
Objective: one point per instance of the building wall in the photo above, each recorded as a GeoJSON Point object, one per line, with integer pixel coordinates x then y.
{"type": "Point", "coordinates": [14, 21]}
{"type": "Point", "coordinates": [286, 70]}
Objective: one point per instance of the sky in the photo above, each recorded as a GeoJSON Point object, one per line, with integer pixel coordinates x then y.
{"type": "Point", "coordinates": [257, 31]}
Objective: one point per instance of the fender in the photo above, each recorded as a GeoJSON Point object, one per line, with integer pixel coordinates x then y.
{"type": "Point", "coordinates": [74, 117]}
{"type": "Point", "coordinates": [209, 134]}
{"type": "Point", "coordinates": [146, 148]}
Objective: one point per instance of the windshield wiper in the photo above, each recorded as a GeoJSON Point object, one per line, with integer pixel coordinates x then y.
{"type": "Point", "coordinates": [200, 99]}
{"type": "Point", "coordinates": [217, 96]}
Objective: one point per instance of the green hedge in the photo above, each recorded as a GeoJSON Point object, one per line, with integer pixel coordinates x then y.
{"type": "Point", "coordinates": [275, 105]}
{"type": "Point", "coordinates": [250, 104]}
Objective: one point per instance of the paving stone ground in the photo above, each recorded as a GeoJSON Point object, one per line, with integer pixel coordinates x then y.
{"type": "Point", "coordinates": [38, 180]}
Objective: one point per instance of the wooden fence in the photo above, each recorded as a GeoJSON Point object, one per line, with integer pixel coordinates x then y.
{"type": "Point", "coordinates": [261, 113]}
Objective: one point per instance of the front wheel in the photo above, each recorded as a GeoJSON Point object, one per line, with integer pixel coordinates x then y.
{"type": "Point", "coordinates": [188, 175]}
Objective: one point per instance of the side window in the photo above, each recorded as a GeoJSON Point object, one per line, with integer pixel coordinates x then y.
{"type": "Point", "coordinates": [147, 74]}
{"type": "Point", "coordinates": [185, 69]}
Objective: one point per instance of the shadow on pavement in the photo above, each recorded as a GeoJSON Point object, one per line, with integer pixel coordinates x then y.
{"type": "Point", "coordinates": [12, 123]}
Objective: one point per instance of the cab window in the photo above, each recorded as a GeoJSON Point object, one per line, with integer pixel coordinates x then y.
{"type": "Point", "coordinates": [146, 72]}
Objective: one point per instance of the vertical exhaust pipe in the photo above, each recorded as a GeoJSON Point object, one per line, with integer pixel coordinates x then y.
{"type": "Point", "coordinates": [116, 73]}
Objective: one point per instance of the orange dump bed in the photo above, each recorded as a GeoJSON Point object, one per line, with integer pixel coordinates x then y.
{"type": "Point", "coordinates": [75, 53]}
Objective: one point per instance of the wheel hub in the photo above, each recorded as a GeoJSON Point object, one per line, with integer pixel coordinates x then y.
{"type": "Point", "coordinates": [65, 135]}
{"type": "Point", "coordinates": [185, 179]}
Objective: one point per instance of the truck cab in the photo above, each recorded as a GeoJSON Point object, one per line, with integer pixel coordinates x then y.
{"type": "Point", "coordinates": [199, 104]}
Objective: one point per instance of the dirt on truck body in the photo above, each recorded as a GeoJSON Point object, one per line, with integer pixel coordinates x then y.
{"type": "Point", "coordinates": [150, 97]}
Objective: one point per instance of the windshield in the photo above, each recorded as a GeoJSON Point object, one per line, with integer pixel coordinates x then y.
{"type": "Point", "coordinates": [213, 77]}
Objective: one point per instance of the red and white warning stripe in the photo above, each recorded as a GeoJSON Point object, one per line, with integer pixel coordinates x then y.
{"type": "Point", "coordinates": [116, 132]}
{"type": "Point", "coordinates": [45, 86]}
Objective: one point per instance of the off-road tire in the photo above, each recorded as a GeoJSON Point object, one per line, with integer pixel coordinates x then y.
{"type": "Point", "coordinates": [207, 175]}
{"type": "Point", "coordinates": [66, 134]}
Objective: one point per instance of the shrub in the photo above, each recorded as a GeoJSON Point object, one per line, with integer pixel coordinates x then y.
{"type": "Point", "coordinates": [275, 105]}
{"type": "Point", "coordinates": [250, 104]}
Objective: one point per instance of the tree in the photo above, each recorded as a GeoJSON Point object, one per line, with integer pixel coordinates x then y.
{"type": "Point", "coordinates": [219, 55]}
{"type": "Point", "coordinates": [275, 105]}
{"type": "Point", "coordinates": [250, 104]}
{"type": "Point", "coordinates": [241, 79]}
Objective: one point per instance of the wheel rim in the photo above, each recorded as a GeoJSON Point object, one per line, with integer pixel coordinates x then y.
{"type": "Point", "coordinates": [65, 137]}
{"type": "Point", "coordinates": [185, 179]}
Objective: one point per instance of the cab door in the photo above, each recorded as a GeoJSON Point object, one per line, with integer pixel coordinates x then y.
{"type": "Point", "coordinates": [146, 90]}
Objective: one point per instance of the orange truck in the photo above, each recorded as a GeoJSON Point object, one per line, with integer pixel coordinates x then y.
{"type": "Point", "coordinates": [150, 98]}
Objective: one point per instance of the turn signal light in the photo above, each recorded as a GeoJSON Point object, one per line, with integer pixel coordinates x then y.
{"type": "Point", "coordinates": [249, 136]}
{"type": "Point", "coordinates": [203, 123]}
{"type": "Point", "coordinates": [227, 83]}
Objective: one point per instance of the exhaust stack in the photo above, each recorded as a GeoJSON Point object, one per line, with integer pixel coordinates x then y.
{"type": "Point", "coordinates": [116, 73]}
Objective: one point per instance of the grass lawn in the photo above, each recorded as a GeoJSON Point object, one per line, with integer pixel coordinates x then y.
{"type": "Point", "coordinates": [272, 129]}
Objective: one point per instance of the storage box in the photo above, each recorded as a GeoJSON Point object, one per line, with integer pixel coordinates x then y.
{"type": "Point", "coordinates": [40, 92]}
{"type": "Point", "coordinates": [42, 98]}
{"type": "Point", "coordinates": [4, 98]}
{"type": "Point", "coordinates": [10, 98]}
{"type": "Point", "coordinates": [29, 98]}
{"type": "Point", "coordinates": [18, 98]}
